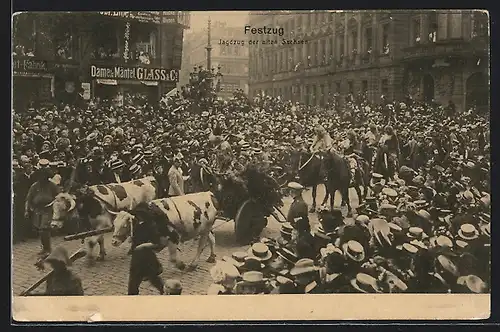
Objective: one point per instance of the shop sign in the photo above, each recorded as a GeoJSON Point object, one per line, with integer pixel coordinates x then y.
{"type": "Point", "coordinates": [27, 65]}
{"type": "Point", "coordinates": [134, 73]}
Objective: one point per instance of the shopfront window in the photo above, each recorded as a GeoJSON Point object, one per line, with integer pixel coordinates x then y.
{"type": "Point", "coordinates": [24, 35]}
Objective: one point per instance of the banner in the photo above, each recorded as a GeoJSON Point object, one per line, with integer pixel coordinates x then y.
{"type": "Point", "coordinates": [134, 73]}
{"type": "Point", "coordinates": [30, 67]}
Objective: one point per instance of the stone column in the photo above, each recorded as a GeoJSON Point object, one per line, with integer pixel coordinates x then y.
{"type": "Point", "coordinates": [358, 42]}
{"type": "Point", "coordinates": [346, 40]}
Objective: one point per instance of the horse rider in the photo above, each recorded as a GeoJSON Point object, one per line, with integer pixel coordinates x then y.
{"type": "Point", "coordinates": [322, 141]}
{"type": "Point", "coordinates": [352, 152]}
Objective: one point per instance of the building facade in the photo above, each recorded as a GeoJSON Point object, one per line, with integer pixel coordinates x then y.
{"type": "Point", "coordinates": [232, 59]}
{"type": "Point", "coordinates": [430, 55]}
{"type": "Point", "coordinates": [58, 56]}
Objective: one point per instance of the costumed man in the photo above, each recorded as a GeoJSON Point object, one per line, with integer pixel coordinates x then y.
{"type": "Point", "coordinates": [37, 206]}
{"type": "Point", "coordinates": [298, 208]}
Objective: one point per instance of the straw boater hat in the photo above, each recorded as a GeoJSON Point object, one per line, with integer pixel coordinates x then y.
{"type": "Point", "coordinates": [448, 265]}
{"type": "Point", "coordinates": [253, 278]}
{"type": "Point", "coordinates": [354, 250]}
{"type": "Point", "coordinates": [252, 263]}
{"type": "Point", "coordinates": [43, 163]}
{"type": "Point", "coordinates": [468, 232]}
{"type": "Point", "coordinates": [365, 283]}
{"type": "Point", "coordinates": [260, 251]}
{"type": "Point", "coordinates": [286, 230]}
{"type": "Point", "coordinates": [415, 233]}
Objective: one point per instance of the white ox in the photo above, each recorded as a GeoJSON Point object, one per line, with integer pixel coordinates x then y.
{"type": "Point", "coordinates": [101, 204]}
{"type": "Point", "coordinates": [190, 215]}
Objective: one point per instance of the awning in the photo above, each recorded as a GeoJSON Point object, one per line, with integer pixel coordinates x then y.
{"type": "Point", "coordinates": [32, 75]}
{"type": "Point", "coordinates": [107, 81]}
{"type": "Point", "coordinates": [150, 83]}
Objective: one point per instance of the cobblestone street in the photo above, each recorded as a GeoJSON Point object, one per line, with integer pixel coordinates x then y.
{"type": "Point", "coordinates": [110, 277]}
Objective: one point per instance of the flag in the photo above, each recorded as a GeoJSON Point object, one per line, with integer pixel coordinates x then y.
{"type": "Point", "coordinates": [172, 92]}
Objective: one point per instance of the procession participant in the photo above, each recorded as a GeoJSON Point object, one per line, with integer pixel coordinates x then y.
{"type": "Point", "coordinates": [176, 180]}
{"type": "Point", "coordinates": [298, 208]}
{"type": "Point", "coordinates": [62, 281]}
{"type": "Point", "coordinates": [147, 239]}
{"type": "Point", "coordinates": [322, 141]}
{"type": "Point", "coordinates": [37, 206]}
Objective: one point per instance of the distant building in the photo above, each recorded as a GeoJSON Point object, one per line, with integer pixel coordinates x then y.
{"type": "Point", "coordinates": [233, 59]}
{"type": "Point", "coordinates": [430, 55]}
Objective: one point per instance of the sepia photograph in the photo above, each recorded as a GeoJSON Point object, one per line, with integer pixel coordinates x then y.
{"type": "Point", "coordinates": [295, 153]}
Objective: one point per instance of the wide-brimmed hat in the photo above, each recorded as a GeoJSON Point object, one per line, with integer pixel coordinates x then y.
{"type": "Point", "coordinates": [365, 283]}
{"type": "Point", "coordinates": [354, 250]}
{"type": "Point", "coordinates": [59, 254]}
{"type": "Point", "coordinates": [260, 251]}
{"type": "Point", "coordinates": [468, 232]}
{"type": "Point", "coordinates": [473, 283]}
{"type": "Point", "coordinates": [304, 265]}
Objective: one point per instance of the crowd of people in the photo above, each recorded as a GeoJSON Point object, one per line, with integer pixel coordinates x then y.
{"type": "Point", "coordinates": [424, 226]}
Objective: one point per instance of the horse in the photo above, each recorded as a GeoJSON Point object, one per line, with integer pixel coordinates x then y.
{"type": "Point", "coordinates": [310, 170]}
{"type": "Point", "coordinates": [339, 177]}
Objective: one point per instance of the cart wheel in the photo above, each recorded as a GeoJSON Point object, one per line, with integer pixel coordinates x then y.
{"type": "Point", "coordinates": [246, 221]}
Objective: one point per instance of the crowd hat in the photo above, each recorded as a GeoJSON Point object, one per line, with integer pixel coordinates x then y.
{"type": "Point", "coordinates": [237, 258]}
{"type": "Point", "coordinates": [253, 278]}
{"type": "Point", "coordinates": [224, 271]}
{"type": "Point", "coordinates": [473, 283]}
{"type": "Point", "coordinates": [415, 233]}
{"type": "Point", "coordinates": [381, 231]}
{"type": "Point", "coordinates": [468, 232]}
{"type": "Point", "coordinates": [365, 283]}
{"type": "Point", "coordinates": [447, 265]}
{"type": "Point", "coordinates": [137, 158]}
{"type": "Point", "coordinates": [91, 136]}
{"type": "Point", "coordinates": [295, 186]}
{"type": "Point", "coordinates": [304, 265]}
{"type": "Point", "coordinates": [252, 263]}
{"type": "Point", "coordinates": [286, 230]}
{"type": "Point", "coordinates": [117, 164]}
{"type": "Point", "coordinates": [135, 169]}
{"type": "Point", "coordinates": [260, 251]}
{"type": "Point", "coordinates": [43, 163]}
{"type": "Point", "coordinates": [354, 250]}
{"type": "Point", "coordinates": [390, 192]}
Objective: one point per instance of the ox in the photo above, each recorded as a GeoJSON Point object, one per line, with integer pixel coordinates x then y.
{"type": "Point", "coordinates": [187, 217]}
{"type": "Point", "coordinates": [100, 204]}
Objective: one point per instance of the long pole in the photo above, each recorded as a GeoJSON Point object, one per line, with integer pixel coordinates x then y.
{"type": "Point", "coordinates": [209, 47]}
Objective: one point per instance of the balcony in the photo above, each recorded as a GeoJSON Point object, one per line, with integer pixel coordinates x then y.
{"type": "Point", "coordinates": [120, 61]}
{"type": "Point", "coordinates": [447, 48]}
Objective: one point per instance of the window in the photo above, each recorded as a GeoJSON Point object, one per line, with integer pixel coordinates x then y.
{"type": "Point", "coordinates": [416, 31]}
{"type": "Point", "coordinates": [368, 40]}
{"type": "Point", "coordinates": [479, 24]}
{"type": "Point", "coordinates": [364, 86]}
{"type": "Point", "coordinates": [341, 47]}
{"type": "Point", "coordinates": [354, 42]}
{"type": "Point", "coordinates": [323, 51]}
{"type": "Point", "coordinates": [385, 86]}
{"type": "Point", "coordinates": [433, 27]}
{"type": "Point", "coordinates": [351, 87]}
{"type": "Point", "coordinates": [385, 38]}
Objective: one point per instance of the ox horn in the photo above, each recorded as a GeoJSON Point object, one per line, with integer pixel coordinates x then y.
{"type": "Point", "coordinates": [50, 204]}
{"type": "Point", "coordinates": [72, 204]}
{"type": "Point", "coordinates": [111, 212]}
